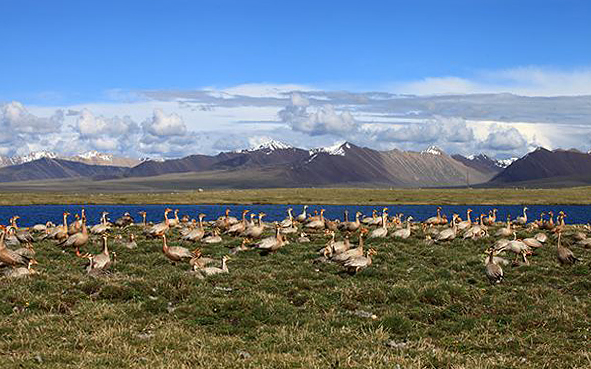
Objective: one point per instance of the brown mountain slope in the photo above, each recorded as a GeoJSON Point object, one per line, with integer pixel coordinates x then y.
{"type": "Point", "coordinates": [542, 164]}
{"type": "Point", "coordinates": [45, 168]}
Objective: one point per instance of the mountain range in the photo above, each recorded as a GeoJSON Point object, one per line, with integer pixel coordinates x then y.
{"type": "Point", "coordinates": [89, 157]}
{"type": "Point", "coordinates": [275, 164]}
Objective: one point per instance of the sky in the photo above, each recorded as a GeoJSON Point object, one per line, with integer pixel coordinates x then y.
{"type": "Point", "coordinates": [172, 78]}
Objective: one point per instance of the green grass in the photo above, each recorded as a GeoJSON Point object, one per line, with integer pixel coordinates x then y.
{"type": "Point", "coordinates": [353, 196]}
{"type": "Point", "coordinates": [433, 304]}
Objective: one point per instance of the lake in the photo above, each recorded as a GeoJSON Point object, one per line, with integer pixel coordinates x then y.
{"type": "Point", "coordinates": [33, 214]}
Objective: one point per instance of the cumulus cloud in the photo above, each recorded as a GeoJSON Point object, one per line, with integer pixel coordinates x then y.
{"type": "Point", "coordinates": [319, 121]}
{"type": "Point", "coordinates": [16, 118]}
{"type": "Point", "coordinates": [505, 139]}
{"type": "Point", "coordinates": [89, 125]}
{"type": "Point", "coordinates": [162, 125]}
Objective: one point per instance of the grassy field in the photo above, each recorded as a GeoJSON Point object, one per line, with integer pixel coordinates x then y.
{"type": "Point", "coordinates": [577, 195]}
{"type": "Point", "coordinates": [432, 307]}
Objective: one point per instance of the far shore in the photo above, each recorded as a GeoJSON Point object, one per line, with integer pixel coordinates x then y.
{"type": "Point", "coordinates": [328, 196]}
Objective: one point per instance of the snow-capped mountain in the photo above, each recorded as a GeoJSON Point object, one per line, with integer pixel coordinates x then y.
{"type": "Point", "coordinates": [89, 157]}
{"type": "Point", "coordinates": [433, 150]}
{"type": "Point", "coordinates": [338, 149]}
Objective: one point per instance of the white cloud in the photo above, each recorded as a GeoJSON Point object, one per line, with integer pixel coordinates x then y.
{"type": "Point", "coordinates": [320, 121]}
{"type": "Point", "coordinates": [89, 125]}
{"type": "Point", "coordinates": [163, 125]}
{"type": "Point", "coordinates": [16, 117]}
{"type": "Point", "coordinates": [524, 81]}
{"type": "Point", "coordinates": [505, 139]}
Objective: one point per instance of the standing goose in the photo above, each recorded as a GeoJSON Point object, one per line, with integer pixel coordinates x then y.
{"type": "Point", "coordinates": [492, 217]}
{"type": "Point", "coordinates": [175, 253]}
{"type": "Point", "coordinates": [240, 226]}
{"type": "Point", "coordinates": [381, 231]}
{"type": "Point", "coordinates": [77, 240]}
{"type": "Point", "coordinates": [302, 217]}
{"type": "Point", "coordinates": [157, 230]}
{"type": "Point", "coordinates": [76, 226]}
{"type": "Point", "coordinates": [465, 224]}
{"type": "Point", "coordinates": [287, 222]}
{"type": "Point", "coordinates": [143, 214]}
{"type": "Point", "coordinates": [522, 220]}
{"type": "Point", "coordinates": [436, 220]}
{"type": "Point", "coordinates": [175, 222]}
{"type": "Point", "coordinates": [352, 226]}
{"type": "Point", "coordinates": [356, 264]}
{"type": "Point", "coordinates": [494, 272]}
{"type": "Point", "coordinates": [565, 255]}
{"type": "Point", "coordinates": [60, 232]}
{"type": "Point", "coordinates": [404, 233]}
{"type": "Point", "coordinates": [549, 224]}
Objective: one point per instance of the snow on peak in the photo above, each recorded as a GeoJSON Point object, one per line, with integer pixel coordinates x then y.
{"type": "Point", "coordinates": [504, 163]}
{"type": "Point", "coordinates": [433, 150]}
{"type": "Point", "coordinates": [36, 155]}
{"type": "Point", "coordinates": [89, 155]}
{"type": "Point", "coordinates": [337, 149]}
{"type": "Point", "coordinates": [269, 146]}
{"type": "Point", "coordinates": [272, 145]}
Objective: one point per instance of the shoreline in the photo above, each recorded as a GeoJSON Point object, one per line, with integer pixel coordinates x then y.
{"type": "Point", "coordinates": [318, 196]}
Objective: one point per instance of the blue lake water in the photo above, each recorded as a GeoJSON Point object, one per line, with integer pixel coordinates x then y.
{"type": "Point", "coordinates": [31, 215]}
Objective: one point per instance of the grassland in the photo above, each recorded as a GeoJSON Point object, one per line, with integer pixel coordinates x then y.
{"type": "Point", "coordinates": [576, 195]}
{"type": "Point", "coordinates": [433, 308]}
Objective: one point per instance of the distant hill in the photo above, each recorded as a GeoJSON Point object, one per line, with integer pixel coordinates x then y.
{"type": "Point", "coordinates": [47, 168]}
{"type": "Point", "coordinates": [542, 165]}
{"type": "Point", "coordinates": [89, 157]}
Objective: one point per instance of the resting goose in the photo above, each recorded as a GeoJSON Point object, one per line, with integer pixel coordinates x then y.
{"type": "Point", "coordinates": [404, 233]}
{"type": "Point", "coordinates": [206, 272]}
{"type": "Point", "coordinates": [21, 271]}
{"type": "Point", "coordinates": [272, 244]}
{"type": "Point", "coordinates": [8, 256]}
{"type": "Point", "coordinates": [255, 231]}
{"type": "Point", "coordinates": [356, 264]}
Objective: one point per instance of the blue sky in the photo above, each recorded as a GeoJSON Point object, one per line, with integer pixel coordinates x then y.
{"type": "Point", "coordinates": [77, 50]}
{"type": "Point", "coordinates": [170, 78]}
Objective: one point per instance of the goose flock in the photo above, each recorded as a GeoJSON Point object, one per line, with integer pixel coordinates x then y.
{"type": "Point", "coordinates": [17, 251]}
